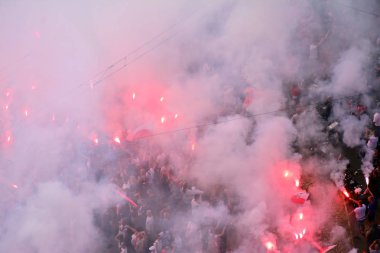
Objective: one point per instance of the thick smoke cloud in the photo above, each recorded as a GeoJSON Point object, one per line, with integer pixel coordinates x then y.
{"type": "Point", "coordinates": [202, 87]}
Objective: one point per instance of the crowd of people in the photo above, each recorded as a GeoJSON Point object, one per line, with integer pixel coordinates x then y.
{"type": "Point", "coordinates": [365, 203]}
{"type": "Point", "coordinates": [164, 213]}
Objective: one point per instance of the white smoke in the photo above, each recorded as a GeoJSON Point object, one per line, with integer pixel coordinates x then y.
{"type": "Point", "coordinates": [61, 88]}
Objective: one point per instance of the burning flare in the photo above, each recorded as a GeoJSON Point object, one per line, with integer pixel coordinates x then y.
{"type": "Point", "coordinates": [269, 245]}
{"type": "Point", "coordinates": [126, 198]}
{"type": "Point", "coordinates": [345, 192]}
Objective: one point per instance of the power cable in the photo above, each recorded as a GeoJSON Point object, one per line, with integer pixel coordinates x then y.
{"type": "Point", "coordinates": [238, 118]}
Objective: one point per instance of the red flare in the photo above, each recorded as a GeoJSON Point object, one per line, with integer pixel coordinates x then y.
{"type": "Point", "coordinates": [117, 139]}
{"type": "Point", "coordinates": [162, 99]}
{"type": "Point", "coordinates": [175, 116]}
{"type": "Point", "coordinates": [126, 198]}
{"type": "Point", "coordinates": [193, 147]}
{"type": "Point", "coordinates": [133, 96]}
{"type": "Point", "coordinates": [286, 173]}
{"type": "Point", "coordinates": [15, 186]}
{"type": "Point", "coordinates": [96, 140]}
{"type": "Point", "coordinates": [269, 245]}
{"type": "Point", "coordinates": [163, 120]}
{"type": "Point", "coordinates": [26, 113]}
{"type": "Point", "coordinates": [6, 107]}
{"type": "Point", "coordinates": [345, 192]}
{"type": "Point", "coordinates": [301, 216]}
{"type": "Point", "coordinates": [297, 182]}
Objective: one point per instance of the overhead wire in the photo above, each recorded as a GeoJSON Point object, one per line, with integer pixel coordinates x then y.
{"type": "Point", "coordinates": [240, 118]}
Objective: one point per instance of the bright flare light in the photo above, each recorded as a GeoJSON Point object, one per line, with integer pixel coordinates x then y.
{"type": "Point", "coordinates": [367, 180]}
{"type": "Point", "coordinates": [117, 140]}
{"type": "Point", "coordinates": [296, 235]}
{"type": "Point", "coordinates": [286, 173]}
{"type": "Point", "coordinates": [162, 99]}
{"type": "Point", "coordinates": [346, 193]}
{"type": "Point", "coordinates": [26, 113]}
{"type": "Point", "coordinates": [297, 182]}
{"type": "Point", "coordinates": [163, 120]}
{"type": "Point", "coordinates": [176, 116]}
{"type": "Point", "coordinates": [6, 107]}
{"type": "Point", "coordinates": [15, 186]}
{"type": "Point", "coordinates": [133, 96]}
{"type": "Point", "coordinates": [9, 138]}
{"type": "Point", "coordinates": [193, 147]}
{"type": "Point", "coordinates": [301, 216]}
{"type": "Point", "coordinates": [96, 140]}
{"type": "Point", "coordinates": [269, 245]}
